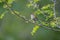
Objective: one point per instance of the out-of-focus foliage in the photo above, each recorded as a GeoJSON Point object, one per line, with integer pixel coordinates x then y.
{"type": "Point", "coordinates": [2, 15]}
{"type": "Point", "coordinates": [13, 27]}
{"type": "Point", "coordinates": [34, 30]}
{"type": "Point", "coordinates": [8, 1]}
{"type": "Point", "coordinates": [46, 11]}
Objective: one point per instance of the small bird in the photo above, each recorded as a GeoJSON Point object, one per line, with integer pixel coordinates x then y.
{"type": "Point", "coordinates": [34, 18]}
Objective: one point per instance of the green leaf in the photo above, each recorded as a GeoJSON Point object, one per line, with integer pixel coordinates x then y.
{"type": "Point", "coordinates": [36, 1]}
{"type": "Point", "coordinates": [29, 5]}
{"type": "Point", "coordinates": [34, 30]}
{"type": "Point", "coordinates": [53, 24]}
{"type": "Point", "coordinates": [38, 11]}
{"type": "Point", "coordinates": [2, 15]}
{"type": "Point", "coordinates": [45, 7]}
{"type": "Point", "coordinates": [10, 1]}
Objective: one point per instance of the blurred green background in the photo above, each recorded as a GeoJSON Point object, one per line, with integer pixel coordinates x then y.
{"type": "Point", "coordinates": [14, 28]}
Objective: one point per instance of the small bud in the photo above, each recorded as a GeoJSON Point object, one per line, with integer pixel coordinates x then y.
{"type": "Point", "coordinates": [26, 21]}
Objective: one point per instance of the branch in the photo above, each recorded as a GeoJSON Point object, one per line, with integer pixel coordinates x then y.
{"type": "Point", "coordinates": [54, 9]}
{"type": "Point", "coordinates": [24, 18]}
